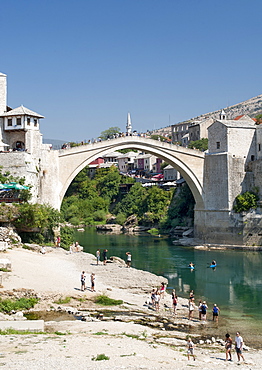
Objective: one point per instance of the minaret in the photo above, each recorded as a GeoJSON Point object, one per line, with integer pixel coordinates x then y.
{"type": "Point", "coordinates": [3, 90]}
{"type": "Point", "coordinates": [129, 124]}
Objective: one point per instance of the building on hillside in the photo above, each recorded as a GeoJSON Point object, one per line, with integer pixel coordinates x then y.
{"type": "Point", "coordinates": [144, 162]}
{"type": "Point", "coordinates": [126, 161]}
{"type": "Point", "coordinates": [179, 130]}
{"type": "Point", "coordinates": [111, 158]}
{"type": "Point", "coordinates": [198, 129]}
{"type": "Point", "coordinates": [170, 173]}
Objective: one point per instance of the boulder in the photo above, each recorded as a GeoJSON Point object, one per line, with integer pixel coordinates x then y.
{"type": "Point", "coordinates": [5, 263]}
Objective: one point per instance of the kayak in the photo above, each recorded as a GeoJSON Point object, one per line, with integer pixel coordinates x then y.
{"type": "Point", "coordinates": [213, 266]}
{"type": "Point", "coordinates": [192, 267]}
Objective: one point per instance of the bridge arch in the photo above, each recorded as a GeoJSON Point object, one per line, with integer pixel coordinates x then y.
{"type": "Point", "coordinates": [189, 162]}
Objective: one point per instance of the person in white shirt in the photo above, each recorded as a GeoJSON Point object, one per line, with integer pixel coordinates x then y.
{"type": "Point", "coordinates": [239, 346]}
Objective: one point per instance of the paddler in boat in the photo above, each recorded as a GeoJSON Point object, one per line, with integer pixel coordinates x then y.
{"type": "Point", "coordinates": [191, 265]}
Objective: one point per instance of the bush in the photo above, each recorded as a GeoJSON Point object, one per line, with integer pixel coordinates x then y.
{"type": "Point", "coordinates": [104, 300]}
{"type": "Point", "coordinates": [67, 237]}
{"type": "Point", "coordinates": [121, 219]}
{"type": "Point", "coordinates": [246, 201]}
{"type": "Point", "coordinates": [99, 216]}
{"type": "Point", "coordinates": [8, 305]}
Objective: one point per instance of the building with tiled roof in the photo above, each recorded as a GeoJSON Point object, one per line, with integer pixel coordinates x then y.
{"type": "Point", "coordinates": [19, 127]}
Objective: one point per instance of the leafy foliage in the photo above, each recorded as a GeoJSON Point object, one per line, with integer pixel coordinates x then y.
{"type": "Point", "coordinates": [246, 201]}
{"type": "Point", "coordinates": [181, 209]}
{"type": "Point", "coordinates": [107, 134]}
{"type": "Point", "coordinates": [104, 300]}
{"type": "Point", "coordinates": [8, 305]}
{"type": "Point", "coordinates": [67, 237]}
{"type": "Point", "coordinates": [201, 144]}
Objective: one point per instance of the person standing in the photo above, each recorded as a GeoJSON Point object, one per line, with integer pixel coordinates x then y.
{"type": "Point", "coordinates": [199, 309]}
{"type": "Point", "coordinates": [157, 300]}
{"type": "Point", "coordinates": [105, 256]}
{"type": "Point", "coordinates": [191, 306]}
{"type": "Point", "coordinates": [239, 346]}
{"type": "Point", "coordinates": [162, 290]}
{"type": "Point", "coordinates": [204, 311]}
{"type": "Point", "coordinates": [83, 281]}
{"type": "Point", "coordinates": [216, 311]}
{"type": "Point", "coordinates": [92, 277]}
{"type": "Point", "coordinates": [97, 257]}
{"type": "Point", "coordinates": [228, 347]}
{"type": "Point", "coordinates": [190, 349]}
{"type": "Point", "coordinates": [128, 259]}
{"type": "Point", "coordinates": [174, 298]}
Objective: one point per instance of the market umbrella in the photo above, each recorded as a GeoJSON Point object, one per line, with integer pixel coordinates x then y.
{"type": "Point", "coordinates": [14, 185]}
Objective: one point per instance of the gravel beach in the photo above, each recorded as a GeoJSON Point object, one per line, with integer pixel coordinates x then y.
{"type": "Point", "coordinates": [125, 345]}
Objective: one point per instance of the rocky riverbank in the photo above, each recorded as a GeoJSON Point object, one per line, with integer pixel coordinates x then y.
{"type": "Point", "coordinates": [131, 335]}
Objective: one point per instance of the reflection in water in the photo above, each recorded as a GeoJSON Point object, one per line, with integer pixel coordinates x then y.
{"type": "Point", "coordinates": [235, 285]}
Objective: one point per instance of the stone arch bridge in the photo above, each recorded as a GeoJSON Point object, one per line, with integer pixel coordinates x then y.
{"type": "Point", "coordinates": [214, 178]}
{"type": "Point", "coordinates": [189, 162]}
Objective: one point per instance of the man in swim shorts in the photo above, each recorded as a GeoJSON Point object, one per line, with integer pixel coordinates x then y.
{"type": "Point", "coordinates": [239, 346]}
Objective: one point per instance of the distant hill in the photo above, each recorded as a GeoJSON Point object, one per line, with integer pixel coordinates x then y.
{"type": "Point", "coordinates": [56, 144]}
{"type": "Point", "coordinates": [251, 107]}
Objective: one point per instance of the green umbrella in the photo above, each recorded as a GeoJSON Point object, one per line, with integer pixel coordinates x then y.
{"type": "Point", "coordinates": [13, 185]}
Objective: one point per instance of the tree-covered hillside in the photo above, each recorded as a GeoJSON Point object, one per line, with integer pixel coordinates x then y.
{"type": "Point", "coordinates": [91, 201]}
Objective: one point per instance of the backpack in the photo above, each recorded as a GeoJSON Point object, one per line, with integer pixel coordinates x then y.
{"type": "Point", "coordinates": [203, 309]}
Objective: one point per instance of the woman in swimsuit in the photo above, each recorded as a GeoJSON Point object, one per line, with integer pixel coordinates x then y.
{"type": "Point", "coordinates": [228, 346]}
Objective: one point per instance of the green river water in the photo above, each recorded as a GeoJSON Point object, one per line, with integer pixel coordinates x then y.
{"type": "Point", "coordinates": [235, 285]}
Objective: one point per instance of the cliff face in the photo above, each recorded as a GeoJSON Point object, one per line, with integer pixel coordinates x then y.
{"type": "Point", "coordinates": [251, 107]}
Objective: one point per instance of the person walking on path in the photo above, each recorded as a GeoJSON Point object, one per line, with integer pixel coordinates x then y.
{"type": "Point", "coordinates": [190, 349]}
{"type": "Point", "coordinates": [105, 256]}
{"type": "Point", "coordinates": [228, 347]}
{"type": "Point", "coordinates": [92, 277]}
{"type": "Point", "coordinates": [216, 311]}
{"type": "Point", "coordinates": [204, 311]}
{"type": "Point", "coordinates": [191, 307]}
{"type": "Point", "coordinates": [97, 257]}
{"type": "Point", "coordinates": [128, 259]}
{"type": "Point", "coordinates": [83, 281]}
{"type": "Point", "coordinates": [239, 346]}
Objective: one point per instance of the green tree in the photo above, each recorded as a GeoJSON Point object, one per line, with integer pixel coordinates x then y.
{"type": "Point", "coordinates": [246, 201]}
{"type": "Point", "coordinates": [131, 203]}
{"type": "Point", "coordinates": [155, 204]}
{"type": "Point", "coordinates": [181, 209]}
{"type": "Point", "coordinates": [201, 144]}
{"type": "Point", "coordinates": [108, 134]}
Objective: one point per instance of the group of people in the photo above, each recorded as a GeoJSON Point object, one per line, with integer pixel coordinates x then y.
{"type": "Point", "coordinates": [83, 281]}
{"type": "Point", "coordinates": [202, 309]}
{"type": "Point", "coordinates": [98, 256]}
{"type": "Point", "coordinates": [228, 346]}
{"type": "Point", "coordinates": [156, 295]}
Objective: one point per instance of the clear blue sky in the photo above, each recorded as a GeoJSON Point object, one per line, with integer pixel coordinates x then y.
{"type": "Point", "coordinates": [84, 64]}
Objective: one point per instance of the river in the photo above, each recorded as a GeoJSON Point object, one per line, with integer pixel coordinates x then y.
{"type": "Point", "coordinates": [235, 285]}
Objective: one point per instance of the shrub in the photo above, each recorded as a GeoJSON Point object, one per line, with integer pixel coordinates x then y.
{"type": "Point", "coordinates": [8, 305]}
{"type": "Point", "coordinates": [104, 300]}
{"type": "Point", "coordinates": [100, 357]}
{"type": "Point", "coordinates": [246, 201]}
